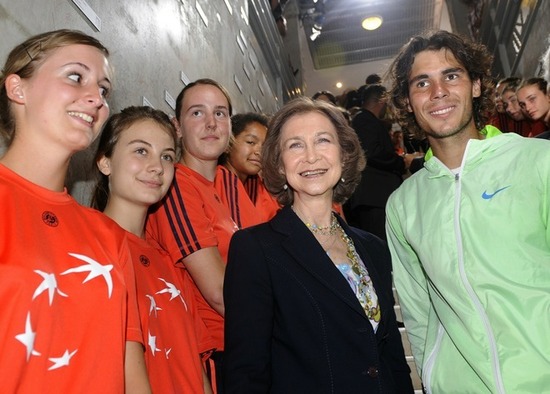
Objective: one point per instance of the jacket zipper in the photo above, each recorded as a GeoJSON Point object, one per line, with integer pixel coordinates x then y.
{"type": "Point", "coordinates": [495, 363]}
{"type": "Point", "coordinates": [430, 362]}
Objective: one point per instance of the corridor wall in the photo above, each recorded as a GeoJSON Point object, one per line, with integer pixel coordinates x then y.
{"type": "Point", "coordinates": [157, 46]}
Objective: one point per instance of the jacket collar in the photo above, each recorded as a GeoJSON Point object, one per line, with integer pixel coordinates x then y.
{"type": "Point", "coordinates": [488, 131]}
{"type": "Point", "coordinates": [475, 151]}
{"type": "Point", "coordinates": [302, 245]}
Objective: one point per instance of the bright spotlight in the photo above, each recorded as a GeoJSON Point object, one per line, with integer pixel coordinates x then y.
{"type": "Point", "coordinates": [372, 22]}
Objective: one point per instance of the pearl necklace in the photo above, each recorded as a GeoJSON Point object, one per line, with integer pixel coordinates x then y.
{"type": "Point", "coordinates": [329, 230]}
{"type": "Point", "coordinates": [324, 230]}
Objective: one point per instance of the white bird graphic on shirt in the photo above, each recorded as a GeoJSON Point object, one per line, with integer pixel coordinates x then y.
{"type": "Point", "coordinates": [173, 291]}
{"type": "Point", "coordinates": [62, 361]}
{"type": "Point", "coordinates": [153, 306]}
{"type": "Point", "coordinates": [27, 338]}
{"type": "Point", "coordinates": [49, 283]}
{"type": "Point", "coordinates": [152, 342]}
{"type": "Point", "coordinates": [95, 270]}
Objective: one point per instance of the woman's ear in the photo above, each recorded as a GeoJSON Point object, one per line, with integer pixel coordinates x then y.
{"type": "Point", "coordinates": [14, 90]}
{"type": "Point", "coordinates": [176, 124]}
{"type": "Point", "coordinates": [104, 165]}
{"type": "Point", "coordinates": [476, 88]}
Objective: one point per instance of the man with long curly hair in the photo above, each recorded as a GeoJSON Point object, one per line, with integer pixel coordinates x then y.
{"type": "Point", "coordinates": [470, 232]}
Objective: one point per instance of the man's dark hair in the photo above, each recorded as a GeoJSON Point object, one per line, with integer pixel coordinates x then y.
{"type": "Point", "coordinates": [473, 56]}
{"type": "Point", "coordinates": [326, 93]}
{"type": "Point", "coordinates": [352, 99]}
{"type": "Point", "coordinates": [373, 93]}
{"type": "Point", "coordinates": [372, 79]}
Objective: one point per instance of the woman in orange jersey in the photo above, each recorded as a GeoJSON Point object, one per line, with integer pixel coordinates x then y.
{"type": "Point", "coordinates": [243, 158]}
{"type": "Point", "coordinates": [135, 161]}
{"type": "Point", "coordinates": [69, 318]}
{"type": "Point", "coordinates": [195, 223]}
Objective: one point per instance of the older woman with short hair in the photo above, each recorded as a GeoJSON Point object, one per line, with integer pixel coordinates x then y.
{"type": "Point", "coordinates": [309, 305]}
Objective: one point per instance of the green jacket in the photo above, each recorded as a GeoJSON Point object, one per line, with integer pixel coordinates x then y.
{"type": "Point", "coordinates": [471, 262]}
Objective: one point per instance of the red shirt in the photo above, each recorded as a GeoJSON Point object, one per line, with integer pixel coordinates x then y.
{"type": "Point", "coordinates": [525, 128]}
{"type": "Point", "coordinates": [265, 203]}
{"type": "Point", "coordinates": [193, 217]}
{"type": "Point", "coordinates": [167, 310]}
{"type": "Point", "coordinates": [235, 197]}
{"type": "Point", "coordinates": [67, 292]}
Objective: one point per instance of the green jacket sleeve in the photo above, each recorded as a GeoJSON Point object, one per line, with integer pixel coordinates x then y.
{"type": "Point", "coordinates": [410, 282]}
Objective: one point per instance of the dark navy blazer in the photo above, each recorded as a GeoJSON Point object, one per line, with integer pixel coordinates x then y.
{"type": "Point", "coordinates": [293, 323]}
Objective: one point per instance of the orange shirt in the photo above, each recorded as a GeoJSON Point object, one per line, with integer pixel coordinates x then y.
{"type": "Point", "coordinates": [193, 217]}
{"type": "Point", "coordinates": [166, 307]}
{"type": "Point", "coordinates": [235, 197]}
{"type": "Point", "coordinates": [67, 292]}
{"type": "Point", "coordinates": [265, 203]}
{"type": "Point", "coordinates": [337, 207]}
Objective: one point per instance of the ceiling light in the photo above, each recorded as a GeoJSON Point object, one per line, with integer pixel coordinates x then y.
{"type": "Point", "coordinates": [372, 22]}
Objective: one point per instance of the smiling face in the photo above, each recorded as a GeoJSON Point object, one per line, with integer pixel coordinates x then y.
{"type": "Point", "coordinates": [533, 101]}
{"type": "Point", "coordinates": [310, 156]}
{"type": "Point", "coordinates": [205, 124]}
{"type": "Point", "coordinates": [65, 99]}
{"type": "Point", "coordinates": [441, 95]}
{"type": "Point", "coordinates": [141, 167]}
{"type": "Point", "coordinates": [244, 155]}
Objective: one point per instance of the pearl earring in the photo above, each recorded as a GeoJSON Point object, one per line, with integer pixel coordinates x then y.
{"type": "Point", "coordinates": [285, 187]}
{"type": "Point", "coordinates": [342, 180]}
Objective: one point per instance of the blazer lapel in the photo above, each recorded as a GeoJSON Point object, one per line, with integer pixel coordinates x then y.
{"type": "Point", "coordinates": [307, 252]}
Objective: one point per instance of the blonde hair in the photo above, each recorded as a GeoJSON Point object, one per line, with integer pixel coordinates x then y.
{"type": "Point", "coordinates": [25, 58]}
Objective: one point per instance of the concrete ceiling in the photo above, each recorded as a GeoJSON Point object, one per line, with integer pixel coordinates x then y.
{"type": "Point", "coordinates": [343, 41]}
